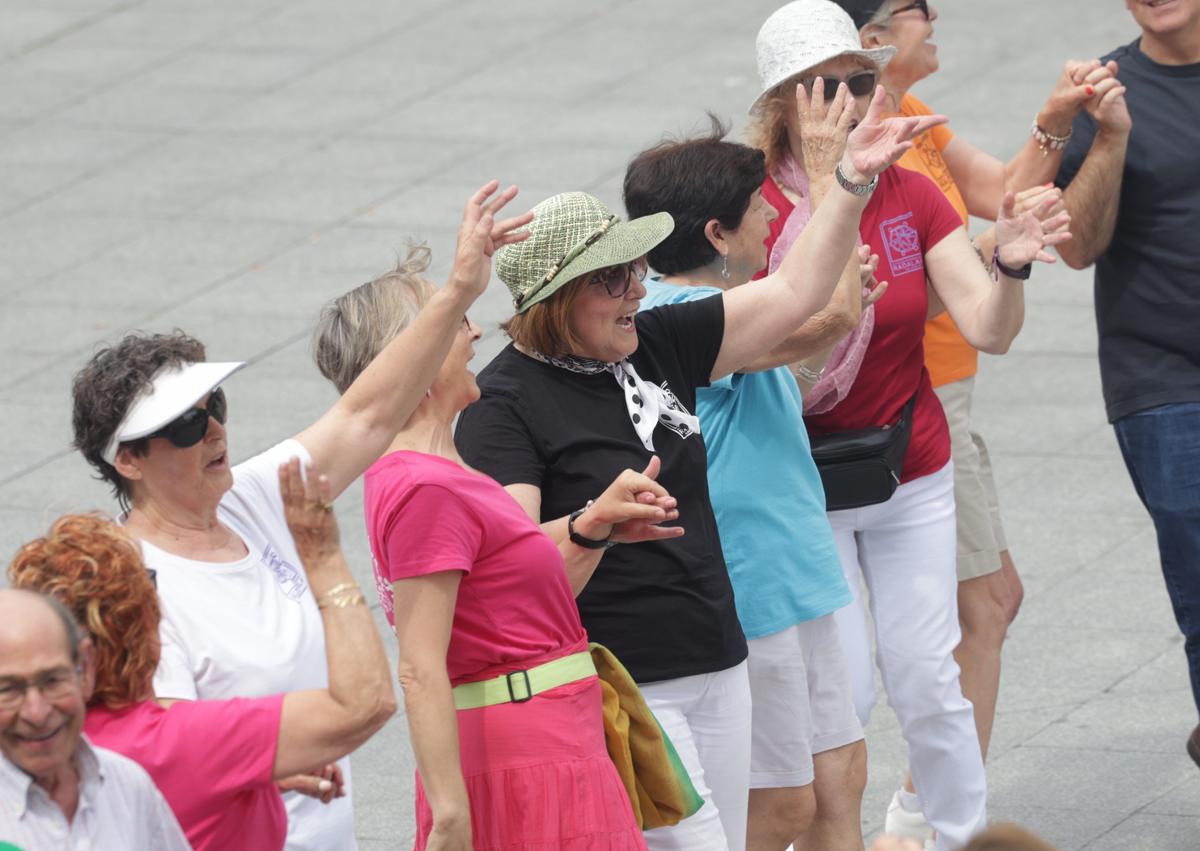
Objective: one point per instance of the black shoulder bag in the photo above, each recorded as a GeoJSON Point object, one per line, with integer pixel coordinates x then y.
{"type": "Point", "coordinates": [862, 467]}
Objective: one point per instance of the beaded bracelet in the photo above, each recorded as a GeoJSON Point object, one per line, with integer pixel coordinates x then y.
{"type": "Point", "coordinates": [1046, 140]}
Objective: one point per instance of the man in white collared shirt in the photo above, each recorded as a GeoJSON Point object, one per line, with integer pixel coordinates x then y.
{"type": "Point", "coordinates": [56, 790]}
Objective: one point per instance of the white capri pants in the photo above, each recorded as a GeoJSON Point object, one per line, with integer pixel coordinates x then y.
{"type": "Point", "coordinates": [708, 719]}
{"type": "Point", "coordinates": [905, 550]}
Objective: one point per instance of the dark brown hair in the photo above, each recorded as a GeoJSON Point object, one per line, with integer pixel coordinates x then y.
{"type": "Point", "coordinates": [108, 384]}
{"type": "Point", "coordinates": [695, 180]}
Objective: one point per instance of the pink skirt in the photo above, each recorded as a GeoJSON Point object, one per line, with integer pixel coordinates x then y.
{"type": "Point", "coordinates": [539, 777]}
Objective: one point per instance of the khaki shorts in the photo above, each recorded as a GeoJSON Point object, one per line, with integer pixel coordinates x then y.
{"type": "Point", "coordinates": [980, 532]}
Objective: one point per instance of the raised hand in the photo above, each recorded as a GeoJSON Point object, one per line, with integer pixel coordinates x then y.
{"type": "Point", "coordinates": [308, 509]}
{"type": "Point", "coordinates": [1023, 237]}
{"type": "Point", "coordinates": [878, 142]}
{"type": "Point", "coordinates": [480, 234]}
{"type": "Point", "coordinates": [1074, 87]}
{"type": "Point", "coordinates": [823, 128]}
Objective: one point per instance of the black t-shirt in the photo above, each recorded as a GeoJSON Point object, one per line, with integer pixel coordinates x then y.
{"type": "Point", "coordinates": [1147, 285]}
{"type": "Point", "coordinates": [665, 608]}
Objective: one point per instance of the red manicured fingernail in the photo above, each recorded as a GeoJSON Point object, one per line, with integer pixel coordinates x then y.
{"type": "Point", "coordinates": [1090, 90]}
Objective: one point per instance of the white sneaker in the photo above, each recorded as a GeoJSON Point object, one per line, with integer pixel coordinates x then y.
{"type": "Point", "coordinates": [900, 822]}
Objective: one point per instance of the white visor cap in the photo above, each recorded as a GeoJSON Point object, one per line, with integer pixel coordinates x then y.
{"type": "Point", "coordinates": [171, 393]}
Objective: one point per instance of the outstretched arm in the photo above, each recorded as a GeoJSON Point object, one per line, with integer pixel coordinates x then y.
{"type": "Point", "coordinates": [352, 434]}
{"type": "Point", "coordinates": [1092, 198]}
{"type": "Point", "coordinates": [760, 315]}
{"type": "Point", "coordinates": [982, 179]}
{"type": "Point", "coordinates": [990, 313]}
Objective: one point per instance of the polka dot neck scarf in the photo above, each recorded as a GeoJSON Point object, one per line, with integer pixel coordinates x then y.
{"type": "Point", "coordinates": [647, 404]}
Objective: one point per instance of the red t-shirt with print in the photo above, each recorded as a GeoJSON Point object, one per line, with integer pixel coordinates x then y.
{"type": "Point", "coordinates": [906, 216]}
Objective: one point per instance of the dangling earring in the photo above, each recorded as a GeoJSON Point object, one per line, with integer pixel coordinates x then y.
{"type": "Point", "coordinates": [725, 266]}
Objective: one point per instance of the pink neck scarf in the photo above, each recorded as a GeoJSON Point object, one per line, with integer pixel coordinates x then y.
{"type": "Point", "coordinates": [842, 367]}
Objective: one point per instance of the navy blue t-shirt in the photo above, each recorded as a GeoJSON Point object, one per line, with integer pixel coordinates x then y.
{"type": "Point", "coordinates": [1147, 285]}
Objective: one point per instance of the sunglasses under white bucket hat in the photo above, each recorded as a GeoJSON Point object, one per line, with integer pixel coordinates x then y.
{"type": "Point", "coordinates": [171, 392]}
{"type": "Point", "coordinates": [802, 35]}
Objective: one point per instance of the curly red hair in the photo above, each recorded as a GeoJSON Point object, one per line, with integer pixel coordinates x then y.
{"type": "Point", "coordinates": [89, 564]}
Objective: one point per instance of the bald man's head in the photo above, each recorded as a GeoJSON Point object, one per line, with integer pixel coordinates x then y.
{"type": "Point", "coordinates": [44, 685]}
{"type": "Point", "coordinates": [20, 599]}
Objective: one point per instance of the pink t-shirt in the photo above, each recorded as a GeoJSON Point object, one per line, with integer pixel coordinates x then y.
{"type": "Point", "coordinates": [213, 761]}
{"type": "Point", "coordinates": [426, 514]}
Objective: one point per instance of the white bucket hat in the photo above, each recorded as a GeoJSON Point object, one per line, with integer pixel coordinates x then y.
{"type": "Point", "coordinates": [802, 35]}
{"type": "Point", "coordinates": [172, 391]}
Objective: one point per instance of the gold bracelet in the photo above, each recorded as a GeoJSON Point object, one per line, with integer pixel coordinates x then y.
{"type": "Point", "coordinates": [343, 602]}
{"type": "Point", "coordinates": [338, 589]}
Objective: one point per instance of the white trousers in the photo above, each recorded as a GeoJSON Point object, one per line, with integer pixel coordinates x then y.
{"type": "Point", "coordinates": [905, 550]}
{"type": "Point", "coordinates": [708, 720]}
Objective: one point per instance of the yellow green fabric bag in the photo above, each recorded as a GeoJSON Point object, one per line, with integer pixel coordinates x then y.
{"type": "Point", "coordinates": [659, 787]}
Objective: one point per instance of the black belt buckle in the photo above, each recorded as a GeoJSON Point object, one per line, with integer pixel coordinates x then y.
{"type": "Point", "coordinates": [528, 688]}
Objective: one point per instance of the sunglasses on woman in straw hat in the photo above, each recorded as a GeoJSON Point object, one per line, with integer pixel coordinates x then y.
{"type": "Point", "coordinates": [573, 234]}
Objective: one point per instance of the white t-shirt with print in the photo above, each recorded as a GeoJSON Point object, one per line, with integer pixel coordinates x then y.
{"type": "Point", "coordinates": [250, 628]}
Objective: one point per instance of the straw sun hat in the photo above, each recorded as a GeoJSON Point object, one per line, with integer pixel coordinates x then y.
{"type": "Point", "coordinates": [573, 234]}
{"type": "Point", "coordinates": [802, 35]}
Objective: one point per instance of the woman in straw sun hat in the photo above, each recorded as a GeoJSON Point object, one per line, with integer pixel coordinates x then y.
{"type": "Point", "coordinates": [899, 536]}
{"type": "Point", "coordinates": [590, 387]}
{"type": "Point", "coordinates": [989, 588]}
{"type": "Point", "coordinates": [239, 618]}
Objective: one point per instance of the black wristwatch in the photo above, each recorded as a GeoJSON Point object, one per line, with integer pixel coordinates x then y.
{"type": "Point", "coordinates": [579, 540]}
{"type": "Point", "coordinates": [1021, 274]}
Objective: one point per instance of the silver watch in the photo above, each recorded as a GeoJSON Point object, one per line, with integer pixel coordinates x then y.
{"type": "Point", "coordinates": [861, 189]}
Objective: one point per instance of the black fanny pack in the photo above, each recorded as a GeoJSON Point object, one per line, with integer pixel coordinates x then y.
{"type": "Point", "coordinates": [863, 467]}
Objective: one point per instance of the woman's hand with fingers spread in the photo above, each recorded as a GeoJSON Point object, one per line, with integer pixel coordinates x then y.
{"type": "Point", "coordinates": [631, 509]}
{"type": "Point", "coordinates": [1023, 238]}
{"type": "Point", "coordinates": [308, 509]}
{"type": "Point", "coordinates": [480, 234]}
{"type": "Point", "coordinates": [823, 127]}
{"type": "Point", "coordinates": [878, 142]}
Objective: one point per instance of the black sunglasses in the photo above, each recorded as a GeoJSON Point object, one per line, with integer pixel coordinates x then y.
{"type": "Point", "coordinates": [860, 83]}
{"type": "Point", "coordinates": [189, 428]}
{"type": "Point", "coordinates": [617, 279]}
{"type": "Point", "coordinates": [922, 5]}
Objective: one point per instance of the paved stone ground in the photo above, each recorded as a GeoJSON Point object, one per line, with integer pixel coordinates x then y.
{"type": "Point", "coordinates": [226, 167]}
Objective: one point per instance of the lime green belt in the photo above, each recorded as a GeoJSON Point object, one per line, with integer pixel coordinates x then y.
{"type": "Point", "coordinates": [521, 686]}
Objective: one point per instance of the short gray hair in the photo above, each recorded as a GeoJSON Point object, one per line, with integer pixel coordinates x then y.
{"type": "Point", "coordinates": [70, 626]}
{"type": "Point", "coordinates": [882, 19]}
{"type": "Point", "coordinates": [354, 328]}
